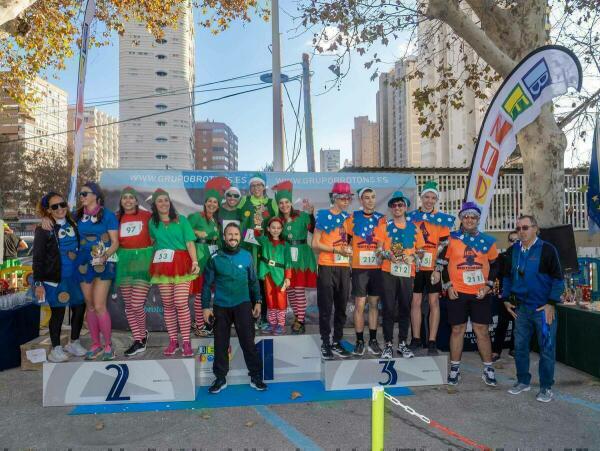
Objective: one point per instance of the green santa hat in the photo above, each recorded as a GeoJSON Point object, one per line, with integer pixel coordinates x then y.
{"type": "Point", "coordinates": [216, 187]}
{"type": "Point", "coordinates": [283, 190]}
{"type": "Point", "coordinates": [159, 192]}
{"type": "Point", "coordinates": [258, 177]}
{"type": "Point", "coordinates": [430, 187]}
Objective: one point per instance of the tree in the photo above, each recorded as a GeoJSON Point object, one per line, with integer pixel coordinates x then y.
{"type": "Point", "coordinates": [41, 35]}
{"type": "Point", "coordinates": [500, 33]}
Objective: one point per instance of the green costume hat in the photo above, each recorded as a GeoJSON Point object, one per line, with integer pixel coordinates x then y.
{"type": "Point", "coordinates": [129, 190]}
{"type": "Point", "coordinates": [159, 192]}
{"type": "Point", "coordinates": [258, 177]}
{"type": "Point", "coordinates": [398, 195]}
{"type": "Point", "coordinates": [283, 190]}
{"type": "Point", "coordinates": [362, 191]}
{"type": "Point", "coordinates": [216, 187]}
{"type": "Point", "coordinates": [430, 187]}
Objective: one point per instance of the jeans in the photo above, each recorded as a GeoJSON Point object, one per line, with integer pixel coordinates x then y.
{"type": "Point", "coordinates": [529, 321]}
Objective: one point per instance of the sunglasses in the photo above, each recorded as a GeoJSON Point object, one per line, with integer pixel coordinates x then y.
{"type": "Point", "coordinates": [84, 193]}
{"type": "Point", "coordinates": [524, 228]}
{"type": "Point", "coordinates": [233, 195]}
{"type": "Point", "coordinates": [398, 205]}
{"type": "Point", "coordinates": [58, 205]}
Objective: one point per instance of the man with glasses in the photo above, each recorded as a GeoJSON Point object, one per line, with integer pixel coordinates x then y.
{"type": "Point", "coordinates": [333, 281]}
{"type": "Point", "coordinates": [532, 286]}
{"type": "Point", "coordinates": [468, 268]}
{"type": "Point", "coordinates": [504, 319]}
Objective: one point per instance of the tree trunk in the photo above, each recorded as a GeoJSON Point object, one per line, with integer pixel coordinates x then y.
{"type": "Point", "coordinates": [543, 145]}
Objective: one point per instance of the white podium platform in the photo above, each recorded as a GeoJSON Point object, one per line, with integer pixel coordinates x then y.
{"type": "Point", "coordinates": [286, 358]}
{"type": "Point", "coordinates": [122, 381]}
{"type": "Point", "coordinates": [366, 373]}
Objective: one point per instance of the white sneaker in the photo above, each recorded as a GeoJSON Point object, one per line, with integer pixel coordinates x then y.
{"type": "Point", "coordinates": [75, 348]}
{"type": "Point", "coordinates": [57, 355]}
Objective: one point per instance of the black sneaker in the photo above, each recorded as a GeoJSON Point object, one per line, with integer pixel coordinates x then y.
{"type": "Point", "coordinates": [145, 340]}
{"type": "Point", "coordinates": [136, 348]}
{"type": "Point", "coordinates": [432, 348]}
{"type": "Point", "coordinates": [218, 385]}
{"type": "Point", "coordinates": [374, 347]}
{"type": "Point", "coordinates": [258, 384]}
{"type": "Point", "coordinates": [339, 350]}
{"type": "Point", "coordinates": [359, 348]}
{"type": "Point", "coordinates": [326, 353]}
{"type": "Point", "coordinates": [415, 345]}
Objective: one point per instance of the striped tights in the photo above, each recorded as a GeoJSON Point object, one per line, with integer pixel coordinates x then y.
{"type": "Point", "coordinates": [175, 307]}
{"type": "Point", "coordinates": [297, 298]}
{"type": "Point", "coordinates": [276, 317]}
{"type": "Point", "coordinates": [135, 298]}
{"type": "Point", "coordinates": [198, 314]}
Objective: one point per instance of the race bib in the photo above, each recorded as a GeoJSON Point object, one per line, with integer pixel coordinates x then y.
{"type": "Point", "coordinates": [367, 258]}
{"type": "Point", "coordinates": [294, 253]}
{"type": "Point", "coordinates": [341, 259]}
{"type": "Point", "coordinates": [164, 256]}
{"type": "Point", "coordinates": [250, 238]}
{"type": "Point", "coordinates": [473, 277]}
{"type": "Point", "coordinates": [427, 260]}
{"type": "Point", "coordinates": [401, 270]}
{"type": "Point", "coordinates": [212, 248]}
{"type": "Point", "coordinates": [133, 228]}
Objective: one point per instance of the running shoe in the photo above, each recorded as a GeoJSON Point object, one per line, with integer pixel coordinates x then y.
{"type": "Point", "coordinates": [172, 348]}
{"type": "Point", "coordinates": [454, 375]}
{"type": "Point", "coordinates": [218, 385]}
{"type": "Point", "coordinates": [258, 384]}
{"type": "Point", "coordinates": [374, 348]}
{"type": "Point", "coordinates": [145, 339]}
{"type": "Point", "coordinates": [187, 350]}
{"type": "Point", "coordinates": [339, 350]}
{"type": "Point", "coordinates": [489, 376]}
{"type": "Point", "coordinates": [404, 350]}
{"type": "Point", "coordinates": [75, 348]}
{"type": "Point", "coordinates": [326, 353]}
{"type": "Point", "coordinates": [279, 330]}
{"type": "Point", "coordinates": [57, 355]}
{"type": "Point", "coordinates": [388, 351]}
{"type": "Point", "coordinates": [108, 355]}
{"type": "Point", "coordinates": [432, 348]}
{"type": "Point", "coordinates": [359, 348]}
{"type": "Point", "coordinates": [93, 353]}
{"type": "Point", "coordinates": [415, 345]}
{"type": "Point", "coordinates": [545, 395]}
{"type": "Point", "coordinates": [136, 348]}
{"type": "Point", "coordinates": [519, 388]}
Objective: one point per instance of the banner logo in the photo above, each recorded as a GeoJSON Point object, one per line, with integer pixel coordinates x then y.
{"type": "Point", "coordinates": [516, 102]}
{"type": "Point", "coordinates": [537, 79]}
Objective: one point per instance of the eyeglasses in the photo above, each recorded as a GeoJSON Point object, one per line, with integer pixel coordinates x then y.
{"type": "Point", "coordinates": [233, 195]}
{"type": "Point", "coordinates": [58, 205]}
{"type": "Point", "coordinates": [84, 193]}
{"type": "Point", "coordinates": [398, 205]}
{"type": "Point", "coordinates": [474, 218]}
{"type": "Point", "coordinates": [524, 228]}
{"type": "Point", "coordinates": [348, 198]}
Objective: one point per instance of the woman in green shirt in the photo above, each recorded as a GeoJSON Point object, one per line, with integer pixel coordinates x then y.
{"type": "Point", "coordinates": [174, 266]}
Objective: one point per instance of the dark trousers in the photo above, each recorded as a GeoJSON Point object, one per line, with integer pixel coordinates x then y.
{"type": "Point", "coordinates": [57, 317]}
{"type": "Point", "coordinates": [241, 317]}
{"type": "Point", "coordinates": [397, 297]}
{"type": "Point", "coordinates": [333, 289]}
{"type": "Point", "coordinates": [504, 319]}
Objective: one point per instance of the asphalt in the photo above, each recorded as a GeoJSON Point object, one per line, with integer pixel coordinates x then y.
{"type": "Point", "coordinates": [487, 416]}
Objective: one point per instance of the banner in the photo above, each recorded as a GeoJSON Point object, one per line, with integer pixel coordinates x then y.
{"type": "Point", "coordinates": [90, 12]}
{"type": "Point", "coordinates": [545, 73]}
{"type": "Point", "coordinates": [593, 192]}
{"type": "Point", "coordinates": [186, 190]}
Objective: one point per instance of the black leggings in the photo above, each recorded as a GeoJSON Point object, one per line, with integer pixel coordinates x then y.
{"type": "Point", "coordinates": [56, 320]}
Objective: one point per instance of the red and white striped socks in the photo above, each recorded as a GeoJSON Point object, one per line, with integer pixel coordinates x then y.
{"type": "Point", "coordinates": [276, 317]}
{"type": "Point", "coordinates": [135, 298]}
{"type": "Point", "coordinates": [198, 314]}
{"type": "Point", "coordinates": [297, 299]}
{"type": "Point", "coordinates": [175, 307]}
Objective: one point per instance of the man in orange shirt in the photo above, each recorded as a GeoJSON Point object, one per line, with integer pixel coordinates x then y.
{"type": "Point", "coordinates": [399, 241]}
{"type": "Point", "coordinates": [435, 227]}
{"type": "Point", "coordinates": [468, 266]}
{"type": "Point", "coordinates": [333, 280]}
{"type": "Point", "coordinates": [366, 268]}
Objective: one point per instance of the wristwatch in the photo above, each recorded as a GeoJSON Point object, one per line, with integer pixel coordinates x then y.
{"type": "Point", "coordinates": [38, 284]}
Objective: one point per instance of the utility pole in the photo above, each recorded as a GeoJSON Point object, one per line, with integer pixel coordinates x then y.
{"type": "Point", "coordinates": [308, 123]}
{"type": "Point", "coordinates": [278, 150]}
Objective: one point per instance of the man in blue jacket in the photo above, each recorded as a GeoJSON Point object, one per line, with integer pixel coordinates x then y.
{"type": "Point", "coordinates": [231, 272]}
{"type": "Point", "coordinates": [532, 286]}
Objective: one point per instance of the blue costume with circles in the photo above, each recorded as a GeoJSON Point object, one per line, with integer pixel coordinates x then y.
{"type": "Point", "coordinates": [92, 232]}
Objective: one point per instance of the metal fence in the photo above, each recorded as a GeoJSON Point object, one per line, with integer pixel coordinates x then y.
{"type": "Point", "coordinates": [508, 199]}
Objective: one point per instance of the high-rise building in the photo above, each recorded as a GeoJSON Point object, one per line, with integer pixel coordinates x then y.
{"type": "Point", "coordinates": [399, 130]}
{"type": "Point", "coordinates": [365, 142]}
{"type": "Point", "coordinates": [216, 146]}
{"type": "Point", "coordinates": [162, 71]}
{"type": "Point", "coordinates": [329, 160]}
{"type": "Point", "coordinates": [101, 141]}
{"type": "Point", "coordinates": [439, 47]}
{"type": "Point", "coordinates": [46, 119]}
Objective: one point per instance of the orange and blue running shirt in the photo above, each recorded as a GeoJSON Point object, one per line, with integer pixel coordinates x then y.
{"type": "Point", "coordinates": [411, 239]}
{"type": "Point", "coordinates": [333, 234]}
{"type": "Point", "coordinates": [435, 228]}
{"type": "Point", "coordinates": [361, 227]}
{"type": "Point", "coordinates": [469, 259]}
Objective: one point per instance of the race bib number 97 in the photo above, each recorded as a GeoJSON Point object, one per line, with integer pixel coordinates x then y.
{"type": "Point", "coordinates": [164, 256]}
{"type": "Point", "coordinates": [473, 277]}
{"type": "Point", "coordinates": [133, 228]}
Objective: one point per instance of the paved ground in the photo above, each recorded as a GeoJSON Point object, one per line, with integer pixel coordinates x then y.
{"type": "Point", "coordinates": [488, 416]}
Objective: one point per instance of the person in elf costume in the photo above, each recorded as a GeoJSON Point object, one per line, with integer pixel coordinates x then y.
{"type": "Point", "coordinates": [399, 242]}
{"type": "Point", "coordinates": [208, 240]}
{"type": "Point", "coordinates": [134, 256]}
{"type": "Point", "coordinates": [366, 269]}
{"type": "Point", "coordinates": [229, 211]}
{"type": "Point", "coordinates": [174, 266]}
{"type": "Point", "coordinates": [435, 227]}
{"type": "Point", "coordinates": [275, 272]}
{"type": "Point", "coordinates": [303, 264]}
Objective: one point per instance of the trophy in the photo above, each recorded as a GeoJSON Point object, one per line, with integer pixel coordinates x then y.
{"type": "Point", "coordinates": [259, 215]}
{"type": "Point", "coordinates": [98, 250]}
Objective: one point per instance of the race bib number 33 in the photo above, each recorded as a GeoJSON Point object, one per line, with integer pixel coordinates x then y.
{"type": "Point", "coordinates": [164, 256]}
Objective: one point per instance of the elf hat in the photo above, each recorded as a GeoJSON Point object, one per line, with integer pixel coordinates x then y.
{"type": "Point", "coordinates": [216, 187]}
{"type": "Point", "coordinates": [283, 190]}
{"type": "Point", "coordinates": [431, 187]}
{"type": "Point", "coordinates": [129, 190]}
{"type": "Point", "coordinates": [159, 192]}
{"type": "Point", "coordinates": [233, 189]}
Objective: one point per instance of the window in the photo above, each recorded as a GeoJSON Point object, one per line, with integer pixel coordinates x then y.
{"type": "Point", "coordinates": [161, 73]}
{"type": "Point", "coordinates": [161, 139]}
{"type": "Point", "coordinates": [161, 106]}
{"type": "Point", "coordinates": [161, 156]}
{"type": "Point", "coordinates": [161, 123]}
{"type": "Point", "coordinates": [161, 56]}
{"type": "Point", "coordinates": [160, 41]}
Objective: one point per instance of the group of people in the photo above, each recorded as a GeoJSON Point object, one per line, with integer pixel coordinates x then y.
{"type": "Point", "coordinates": [242, 252]}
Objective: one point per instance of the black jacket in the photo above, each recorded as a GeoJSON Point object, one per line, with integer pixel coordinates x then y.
{"type": "Point", "coordinates": [46, 255]}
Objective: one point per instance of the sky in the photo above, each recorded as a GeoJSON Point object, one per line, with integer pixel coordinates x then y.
{"type": "Point", "coordinates": [244, 49]}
